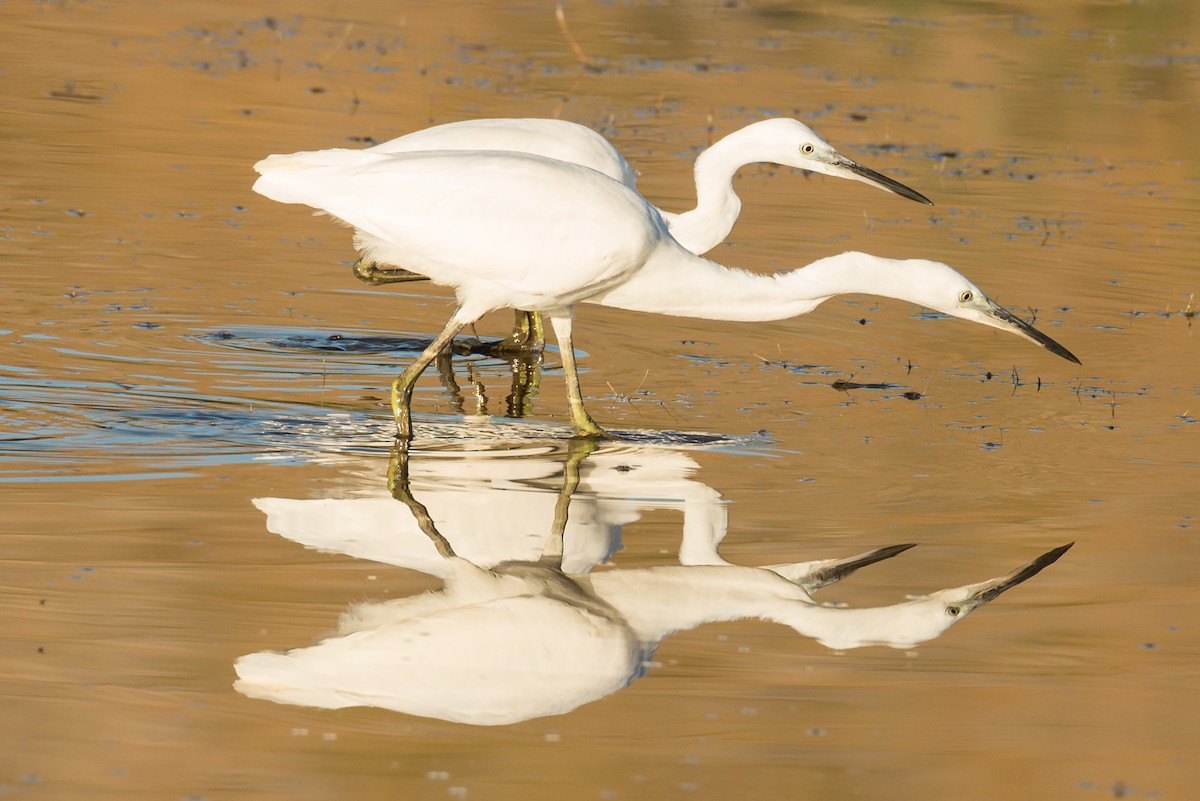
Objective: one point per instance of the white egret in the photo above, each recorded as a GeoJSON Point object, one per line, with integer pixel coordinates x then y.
{"type": "Point", "coordinates": [525, 640]}
{"type": "Point", "coordinates": [779, 140]}
{"type": "Point", "coordinates": [512, 230]}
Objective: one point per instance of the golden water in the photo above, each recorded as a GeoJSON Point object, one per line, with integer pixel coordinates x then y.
{"type": "Point", "coordinates": [167, 355]}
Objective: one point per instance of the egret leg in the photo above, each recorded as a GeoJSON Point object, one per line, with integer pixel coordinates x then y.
{"type": "Point", "coordinates": [398, 486]}
{"type": "Point", "coordinates": [445, 368]}
{"type": "Point", "coordinates": [402, 387]}
{"type": "Point", "coordinates": [526, 380]}
{"type": "Point", "coordinates": [577, 450]}
{"type": "Point", "coordinates": [528, 336]}
{"type": "Point", "coordinates": [584, 424]}
{"type": "Point", "coordinates": [369, 272]}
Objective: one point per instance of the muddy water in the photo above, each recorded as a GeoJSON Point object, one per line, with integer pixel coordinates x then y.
{"type": "Point", "coordinates": [179, 356]}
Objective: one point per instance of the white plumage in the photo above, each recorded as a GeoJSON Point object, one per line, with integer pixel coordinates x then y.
{"type": "Point", "coordinates": [525, 640]}
{"type": "Point", "coordinates": [514, 230]}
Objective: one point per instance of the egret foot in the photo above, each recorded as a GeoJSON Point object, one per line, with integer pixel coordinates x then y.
{"type": "Point", "coordinates": [584, 424]}
{"type": "Point", "coordinates": [369, 272]}
{"type": "Point", "coordinates": [528, 336]}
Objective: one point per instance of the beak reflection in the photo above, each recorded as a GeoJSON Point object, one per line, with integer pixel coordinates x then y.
{"type": "Point", "coordinates": [989, 590]}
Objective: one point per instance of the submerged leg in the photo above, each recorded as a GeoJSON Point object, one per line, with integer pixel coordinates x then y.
{"type": "Point", "coordinates": [526, 380]}
{"type": "Point", "coordinates": [402, 387]}
{"type": "Point", "coordinates": [371, 273]}
{"type": "Point", "coordinates": [445, 368]}
{"type": "Point", "coordinates": [583, 421]}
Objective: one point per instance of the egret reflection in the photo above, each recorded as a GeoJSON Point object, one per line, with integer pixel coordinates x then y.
{"type": "Point", "coordinates": [499, 505]}
{"type": "Point", "coordinates": [508, 639]}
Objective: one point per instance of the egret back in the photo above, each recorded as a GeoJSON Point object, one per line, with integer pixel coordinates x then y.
{"type": "Point", "coordinates": [506, 230]}
{"type": "Point", "coordinates": [554, 139]}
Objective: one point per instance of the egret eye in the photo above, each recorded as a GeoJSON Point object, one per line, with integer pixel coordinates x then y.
{"type": "Point", "coordinates": [966, 296]}
{"type": "Point", "coordinates": [953, 611]}
{"type": "Point", "coordinates": [807, 149]}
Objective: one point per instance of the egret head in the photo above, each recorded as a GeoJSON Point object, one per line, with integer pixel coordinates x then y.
{"type": "Point", "coordinates": [944, 289]}
{"type": "Point", "coordinates": [912, 622]}
{"type": "Point", "coordinates": [786, 141]}
{"type": "Point", "coordinates": [947, 607]}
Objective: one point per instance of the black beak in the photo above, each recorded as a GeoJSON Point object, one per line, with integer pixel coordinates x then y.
{"type": "Point", "coordinates": [880, 180]}
{"type": "Point", "coordinates": [989, 590]}
{"type": "Point", "coordinates": [1010, 322]}
{"type": "Point", "coordinates": [838, 569]}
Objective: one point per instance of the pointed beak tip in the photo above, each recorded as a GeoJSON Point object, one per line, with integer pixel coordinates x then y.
{"type": "Point", "coordinates": [1060, 550]}
{"type": "Point", "coordinates": [1059, 350]}
{"type": "Point", "coordinates": [1066, 354]}
{"type": "Point", "coordinates": [908, 192]}
{"type": "Point", "coordinates": [1010, 322]}
{"type": "Point", "coordinates": [881, 181]}
{"type": "Point", "coordinates": [993, 589]}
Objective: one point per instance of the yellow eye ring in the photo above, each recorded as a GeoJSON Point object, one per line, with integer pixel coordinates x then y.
{"type": "Point", "coordinates": [807, 149]}
{"type": "Point", "coordinates": [966, 296]}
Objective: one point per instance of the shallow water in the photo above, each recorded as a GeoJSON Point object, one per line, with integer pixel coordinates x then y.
{"type": "Point", "coordinates": [176, 350]}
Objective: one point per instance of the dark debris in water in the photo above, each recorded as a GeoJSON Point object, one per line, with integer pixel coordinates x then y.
{"type": "Point", "coordinates": [841, 385]}
{"type": "Point", "coordinates": [323, 343]}
{"type": "Point", "coordinates": [314, 341]}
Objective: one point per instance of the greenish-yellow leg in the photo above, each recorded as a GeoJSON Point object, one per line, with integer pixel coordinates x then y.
{"type": "Point", "coordinates": [402, 387]}
{"type": "Point", "coordinates": [399, 487]}
{"type": "Point", "coordinates": [526, 380]}
{"type": "Point", "coordinates": [584, 424]}
{"type": "Point", "coordinates": [577, 450]}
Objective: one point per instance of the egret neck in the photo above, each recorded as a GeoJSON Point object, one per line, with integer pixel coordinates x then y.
{"type": "Point", "coordinates": [679, 283]}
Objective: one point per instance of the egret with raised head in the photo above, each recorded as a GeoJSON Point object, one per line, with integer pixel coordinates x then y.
{"type": "Point", "coordinates": [778, 140]}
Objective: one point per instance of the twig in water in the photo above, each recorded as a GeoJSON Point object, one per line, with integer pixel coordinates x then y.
{"type": "Point", "coordinates": [560, 14]}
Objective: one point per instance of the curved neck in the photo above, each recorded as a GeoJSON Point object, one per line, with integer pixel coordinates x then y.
{"type": "Point", "coordinates": [682, 284]}
{"type": "Point", "coordinates": [717, 205]}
